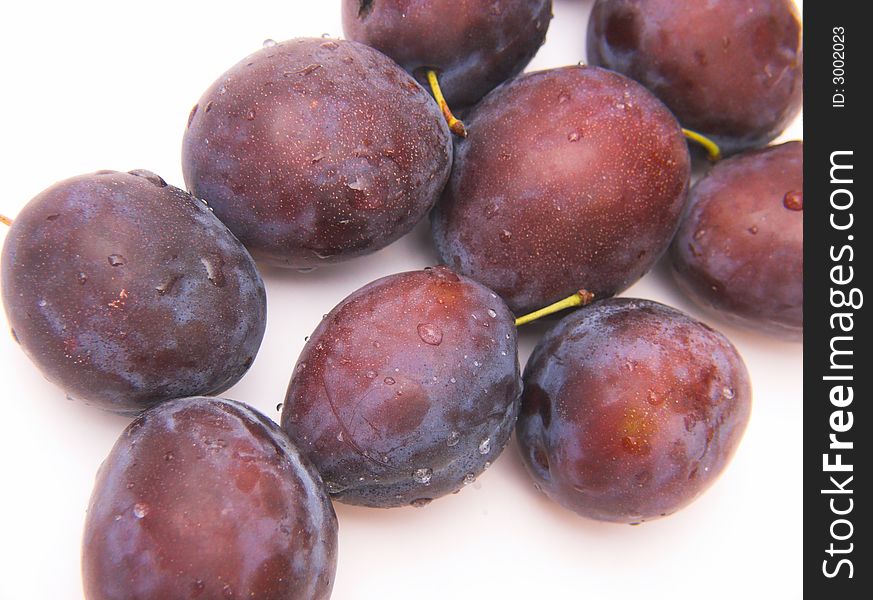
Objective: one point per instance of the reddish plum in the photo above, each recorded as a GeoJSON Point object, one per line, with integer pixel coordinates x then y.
{"type": "Point", "coordinates": [631, 410]}
{"type": "Point", "coordinates": [206, 498]}
{"type": "Point", "coordinates": [407, 389]}
{"type": "Point", "coordinates": [575, 179]}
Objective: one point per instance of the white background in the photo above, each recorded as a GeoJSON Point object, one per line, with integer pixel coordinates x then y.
{"type": "Point", "coordinates": [108, 85]}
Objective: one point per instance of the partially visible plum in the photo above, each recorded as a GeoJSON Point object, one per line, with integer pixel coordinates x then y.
{"type": "Point", "coordinates": [474, 45]}
{"type": "Point", "coordinates": [739, 250]}
{"type": "Point", "coordinates": [206, 498]}
{"type": "Point", "coordinates": [575, 179]}
{"type": "Point", "coordinates": [315, 151]}
{"type": "Point", "coordinates": [407, 389]}
{"type": "Point", "coordinates": [126, 292]}
{"type": "Point", "coordinates": [631, 410]}
{"type": "Point", "coordinates": [729, 69]}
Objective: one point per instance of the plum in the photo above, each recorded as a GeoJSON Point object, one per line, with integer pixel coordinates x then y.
{"type": "Point", "coordinates": [729, 69]}
{"type": "Point", "coordinates": [127, 292]}
{"type": "Point", "coordinates": [206, 498]}
{"type": "Point", "coordinates": [315, 151]}
{"type": "Point", "coordinates": [575, 179]}
{"type": "Point", "coordinates": [474, 45]}
{"type": "Point", "coordinates": [739, 250]}
{"type": "Point", "coordinates": [407, 389]}
{"type": "Point", "coordinates": [631, 409]}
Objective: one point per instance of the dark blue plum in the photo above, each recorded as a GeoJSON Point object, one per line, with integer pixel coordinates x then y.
{"type": "Point", "coordinates": [407, 389]}
{"type": "Point", "coordinates": [127, 292]}
{"type": "Point", "coordinates": [315, 151]}
{"type": "Point", "coordinates": [631, 410]}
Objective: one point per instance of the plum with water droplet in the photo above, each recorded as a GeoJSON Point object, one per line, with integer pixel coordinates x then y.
{"type": "Point", "coordinates": [206, 498]}
{"type": "Point", "coordinates": [729, 69]}
{"type": "Point", "coordinates": [631, 410]}
{"type": "Point", "coordinates": [315, 151]}
{"type": "Point", "coordinates": [572, 178]}
{"type": "Point", "coordinates": [407, 389]}
{"type": "Point", "coordinates": [474, 45]}
{"type": "Point", "coordinates": [739, 250]}
{"type": "Point", "coordinates": [127, 292]}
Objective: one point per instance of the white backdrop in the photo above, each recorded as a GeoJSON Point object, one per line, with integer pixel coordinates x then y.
{"type": "Point", "coordinates": [108, 85]}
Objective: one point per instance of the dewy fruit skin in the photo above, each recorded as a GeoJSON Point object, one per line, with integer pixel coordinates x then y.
{"type": "Point", "coordinates": [739, 250]}
{"type": "Point", "coordinates": [571, 178]}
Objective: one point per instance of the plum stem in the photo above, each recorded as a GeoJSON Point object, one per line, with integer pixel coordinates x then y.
{"type": "Point", "coordinates": [6, 220]}
{"type": "Point", "coordinates": [580, 298]}
{"type": "Point", "coordinates": [712, 149]}
{"type": "Point", "coordinates": [455, 124]}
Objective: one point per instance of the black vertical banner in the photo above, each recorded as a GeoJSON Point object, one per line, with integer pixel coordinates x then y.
{"type": "Point", "coordinates": [837, 259]}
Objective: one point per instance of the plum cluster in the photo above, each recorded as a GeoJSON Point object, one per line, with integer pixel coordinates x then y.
{"type": "Point", "coordinates": [563, 187]}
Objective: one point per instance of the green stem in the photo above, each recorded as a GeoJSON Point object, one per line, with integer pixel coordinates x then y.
{"type": "Point", "coordinates": [456, 126]}
{"type": "Point", "coordinates": [712, 149]}
{"type": "Point", "coordinates": [580, 298]}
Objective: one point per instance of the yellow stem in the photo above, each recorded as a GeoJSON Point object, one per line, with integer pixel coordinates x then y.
{"type": "Point", "coordinates": [455, 125]}
{"type": "Point", "coordinates": [711, 147]}
{"type": "Point", "coordinates": [580, 298]}
{"type": "Point", "coordinates": [5, 220]}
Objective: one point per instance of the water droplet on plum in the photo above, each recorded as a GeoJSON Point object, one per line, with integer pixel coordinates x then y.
{"type": "Point", "coordinates": [793, 201]}
{"type": "Point", "coordinates": [422, 476]}
{"type": "Point", "coordinates": [430, 334]}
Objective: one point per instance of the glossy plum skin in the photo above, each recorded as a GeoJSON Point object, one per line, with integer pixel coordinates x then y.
{"type": "Point", "coordinates": [206, 498]}
{"type": "Point", "coordinates": [315, 151]}
{"type": "Point", "coordinates": [407, 389]}
{"type": "Point", "coordinates": [127, 292]}
{"type": "Point", "coordinates": [475, 45]}
{"type": "Point", "coordinates": [729, 69]}
{"type": "Point", "coordinates": [739, 250]}
{"type": "Point", "coordinates": [572, 178]}
{"type": "Point", "coordinates": [631, 409]}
